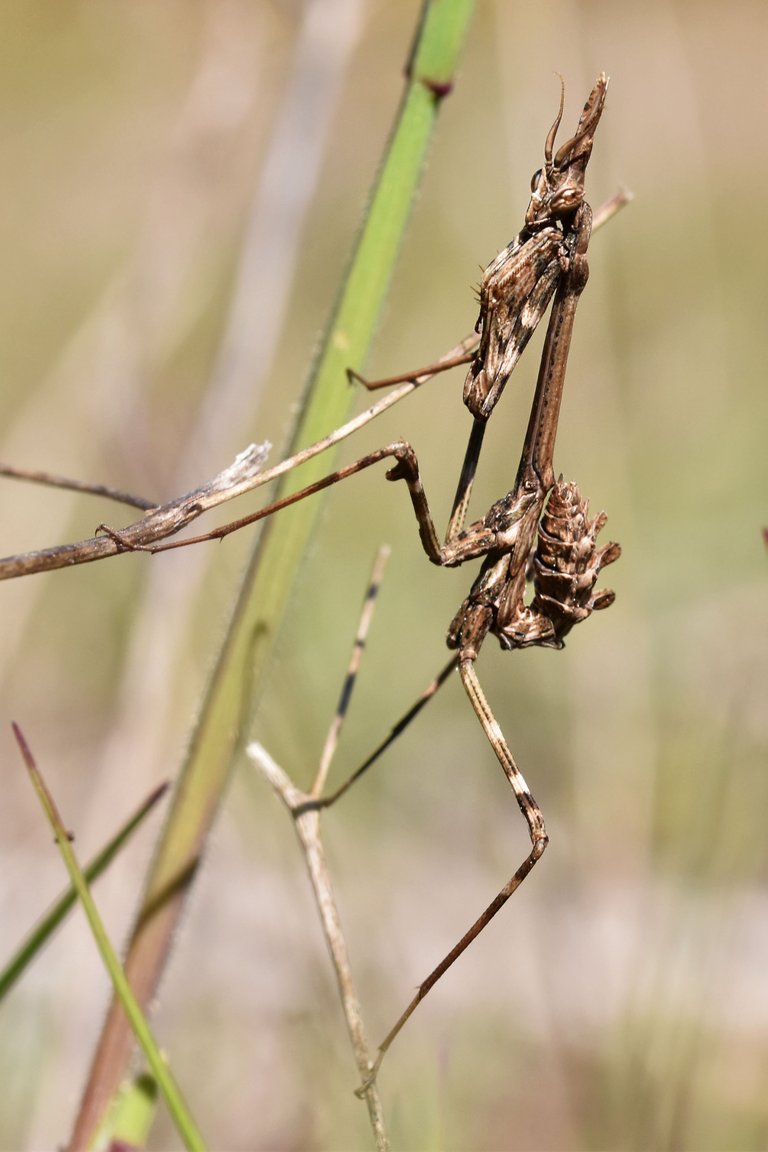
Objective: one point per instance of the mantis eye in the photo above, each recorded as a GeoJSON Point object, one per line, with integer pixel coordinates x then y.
{"type": "Point", "coordinates": [535, 179]}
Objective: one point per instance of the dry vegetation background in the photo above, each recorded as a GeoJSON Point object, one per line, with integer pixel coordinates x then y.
{"type": "Point", "coordinates": [181, 188]}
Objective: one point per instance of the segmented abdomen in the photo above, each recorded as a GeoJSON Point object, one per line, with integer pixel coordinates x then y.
{"type": "Point", "coordinates": [567, 561]}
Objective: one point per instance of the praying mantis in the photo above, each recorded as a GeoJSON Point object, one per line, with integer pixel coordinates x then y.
{"type": "Point", "coordinates": [540, 532]}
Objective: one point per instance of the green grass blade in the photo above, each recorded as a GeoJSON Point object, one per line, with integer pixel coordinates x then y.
{"type": "Point", "coordinates": [233, 692]}
{"type": "Point", "coordinates": [129, 1123]}
{"type": "Point", "coordinates": [51, 920]}
{"type": "Point", "coordinates": [166, 1084]}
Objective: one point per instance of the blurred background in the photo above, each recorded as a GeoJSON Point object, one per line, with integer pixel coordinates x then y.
{"type": "Point", "coordinates": [182, 186]}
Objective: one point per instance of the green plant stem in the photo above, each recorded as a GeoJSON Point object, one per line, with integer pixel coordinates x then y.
{"type": "Point", "coordinates": [232, 696]}
{"type": "Point", "coordinates": [50, 921]}
{"type": "Point", "coordinates": [130, 1121]}
{"type": "Point", "coordinates": [136, 1019]}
